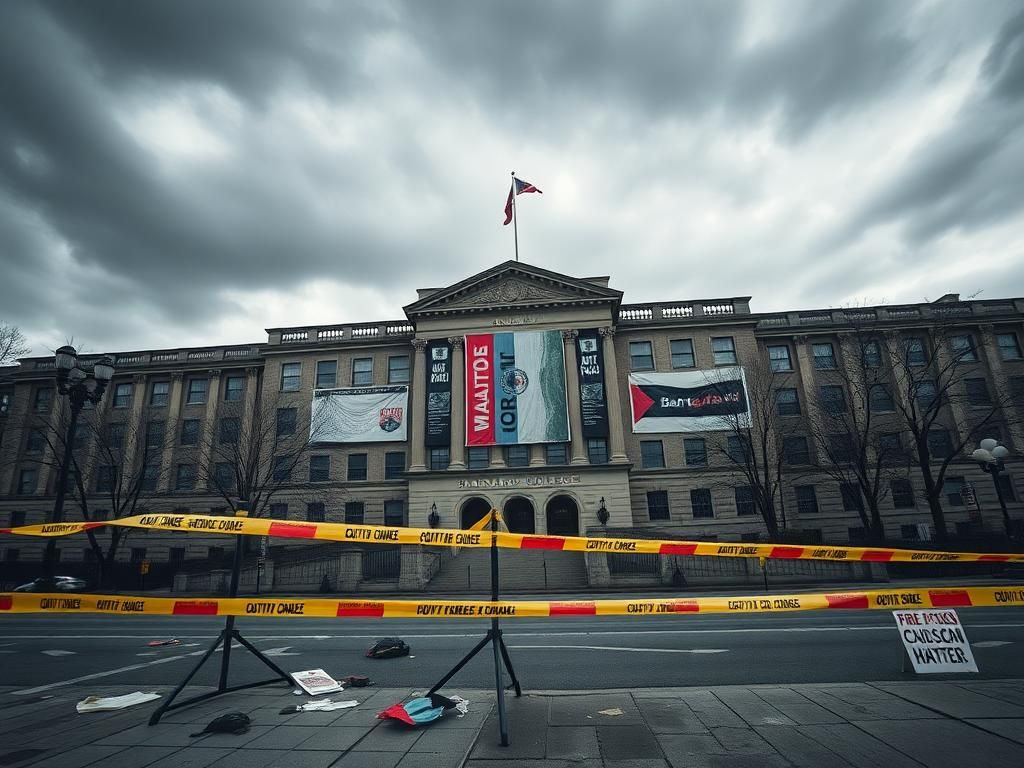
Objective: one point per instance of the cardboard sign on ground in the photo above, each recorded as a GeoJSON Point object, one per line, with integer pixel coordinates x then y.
{"type": "Point", "coordinates": [935, 641]}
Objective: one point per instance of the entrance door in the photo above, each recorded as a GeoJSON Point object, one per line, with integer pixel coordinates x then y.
{"type": "Point", "coordinates": [563, 517]}
{"type": "Point", "coordinates": [518, 514]}
{"type": "Point", "coordinates": [474, 509]}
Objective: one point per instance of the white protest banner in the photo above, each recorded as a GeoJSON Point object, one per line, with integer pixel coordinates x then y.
{"type": "Point", "coordinates": [935, 641]}
{"type": "Point", "coordinates": [314, 681]}
{"type": "Point", "coordinates": [359, 415]}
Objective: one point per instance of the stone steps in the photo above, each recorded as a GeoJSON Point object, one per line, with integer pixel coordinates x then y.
{"type": "Point", "coordinates": [519, 571]}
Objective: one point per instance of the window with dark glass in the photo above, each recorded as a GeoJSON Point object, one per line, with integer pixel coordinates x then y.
{"type": "Point", "coordinates": [857, 533]}
{"type": "Point", "coordinates": [138, 554]}
{"type": "Point", "coordinates": [176, 554]}
{"type": "Point", "coordinates": [17, 519]}
{"type": "Point", "coordinates": [319, 469]}
{"type": "Point", "coordinates": [977, 392]}
{"type": "Point", "coordinates": [44, 399]}
{"type": "Point", "coordinates": [394, 465]}
{"type": "Point", "coordinates": [940, 444]}
{"type": "Point", "coordinates": [795, 450]}
{"type": "Point", "coordinates": [927, 393]}
{"type": "Point", "coordinates": [833, 399]}
{"type": "Point", "coordinates": [737, 448]}
{"type": "Point", "coordinates": [362, 372]}
{"type": "Point", "coordinates": [357, 466]}
{"type": "Point", "coordinates": [657, 505]}
{"type": "Point", "coordinates": [806, 499]}
{"type": "Point", "coordinates": [597, 450]}
{"type": "Point", "coordinates": [398, 369]}
{"type": "Point", "coordinates": [916, 354]}
{"type": "Point", "coordinates": [902, 492]}
{"type": "Point", "coordinates": [122, 395]}
{"type": "Point", "coordinates": [517, 455]}
{"type": "Point", "coordinates": [279, 511]}
{"type": "Point", "coordinates": [230, 426]}
{"type": "Point", "coordinates": [27, 482]}
{"type": "Point", "coordinates": [185, 477]}
{"type": "Point", "coordinates": [963, 348]}
{"type": "Point", "coordinates": [286, 418]}
{"type": "Point", "coordinates": [394, 513]}
{"type": "Point", "coordinates": [104, 478]}
{"type": "Point", "coordinates": [880, 399]}
{"type": "Point", "coordinates": [890, 447]}
{"type": "Point", "coordinates": [778, 358]}
{"type": "Point", "coordinates": [909, 532]}
{"type": "Point", "coordinates": [840, 448]}
{"type": "Point", "coordinates": [36, 442]}
{"type": "Point", "coordinates": [871, 354]}
{"type": "Point", "coordinates": [824, 356]}
{"type": "Point", "coordinates": [853, 501]}
{"type": "Point", "coordinates": [787, 402]}
{"type": "Point", "coordinates": [315, 512]}
{"type": "Point", "coordinates": [953, 487]}
{"type": "Point", "coordinates": [1006, 487]}
{"type": "Point", "coordinates": [234, 388]}
{"type": "Point", "coordinates": [190, 432]}
{"type": "Point", "coordinates": [700, 502]}
{"type": "Point", "coordinates": [746, 504]}
{"type": "Point", "coordinates": [696, 451]}
{"type": "Point", "coordinates": [724, 350]}
{"type": "Point", "coordinates": [440, 458]}
{"type": "Point", "coordinates": [682, 353]}
{"type": "Point", "coordinates": [197, 389]}
{"type": "Point", "coordinates": [1017, 390]}
{"type": "Point", "coordinates": [291, 377]}
{"type": "Point", "coordinates": [652, 454]}
{"type": "Point", "coordinates": [154, 436]}
{"type": "Point", "coordinates": [150, 474]}
{"type": "Point", "coordinates": [224, 476]}
{"type": "Point", "coordinates": [326, 374]}
{"type": "Point", "coordinates": [282, 470]}
{"type": "Point", "coordinates": [354, 512]}
{"type": "Point", "coordinates": [641, 356]}
{"type": "Point", "coordinates": [1009, 346]}
{"type": "Point", "coordinates": [160, 394]}
{"type": "Point", "coordinates": [556, 454]}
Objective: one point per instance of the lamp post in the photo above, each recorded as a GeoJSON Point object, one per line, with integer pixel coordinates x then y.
{"type": "Point", "coordinates": [433, 518]}
{"type": "Point", "coordinates": [602, 512]}
{"type": "Point", "coordinates": [80, 387]}
{"type": "Point", "coordinates": [990, 455]}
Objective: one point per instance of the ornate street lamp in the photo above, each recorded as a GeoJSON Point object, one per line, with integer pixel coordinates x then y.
{"type": "Point", "coordinates": [80, 387]}
{"type": "Point", "coordinates": [990, 455]}
{"type": "Point", "coordinates": [602, 512]}
{"type": "Point", "coordinates": [434, 519]}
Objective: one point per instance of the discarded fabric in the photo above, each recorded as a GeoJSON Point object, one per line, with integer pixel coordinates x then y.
{"type": "Point", "coordinates": [111, 703]}
{"type": "Point", "coordinates": [357, 681]}
{"type": "Point", "coordinates": [316, 681]}
{"type": "Point", "coordinates": [461, 706]}
{"type": "Point", "coordinates": [156, 643]}
{"type": "Point", "coordinates": [232, 722]}
{"type": "Point", "coordinates": [320, 705]}
{"type": "Point", "coordinates": [388, 648]}
{"type": "Point", "coordinates": [418, 711]}
{"type": "Point", "coordinates": [611, 712]}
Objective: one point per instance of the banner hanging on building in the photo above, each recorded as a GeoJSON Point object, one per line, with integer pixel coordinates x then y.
{"type": "Point", "coordinates": [689, 401]}
{"type": "Point", "coordinates": [439, 395]}
{"type": "Point", "coordinates": [515, 388]}
{"type": "Point", "coordinates": [359, 415]}
{"type": "Point", "coordinates": [593, 405]}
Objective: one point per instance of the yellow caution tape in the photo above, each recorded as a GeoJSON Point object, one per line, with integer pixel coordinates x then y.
{"type": "Point", "coordinates": [449, 537]}
{"type": "Point", "coordinates": [886, 600]}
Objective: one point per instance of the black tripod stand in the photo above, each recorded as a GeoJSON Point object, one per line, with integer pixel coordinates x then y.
{"type": "Point", "coordinates": [226, 638]}
{"type": "Point", "coordinates": [493, 637]}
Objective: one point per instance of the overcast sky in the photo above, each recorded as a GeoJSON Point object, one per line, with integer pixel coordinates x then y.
{"type": "Point", "coordinates": [189, 172]}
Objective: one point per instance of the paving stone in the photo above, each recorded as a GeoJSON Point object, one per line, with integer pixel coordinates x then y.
{"type": "Point", "coordinates": [853, 704]}
{"type": "Point", "coordinates": [192, 757]}
{"type": "Point", "coordinates": [1004, 690]}
{"type": "Point", "coordinates": [389, 737]}
{"type": "Point", "coordinates": [136, 757]}
{"type": "Point", "coordinates": [953, 700]}
{"type": "Point", "coordinates": [236, 740]}
{"type": "Point", "coordinates": [946, 743]}
{"type": "Point", "coordinates": [741, 740]}
{"type": "Point", "coordinates": [670, 716]}
{"type": "Point", "coordinates": [445, 740]}
{"type": "Point", "coordinates": [858, 748]}
{"type": "Point", "coordinates": [528, 725]}
{"type": "Point", "coordinates": [370, 760]}
{"type": "Point", "coordinates": [728, 760]}
{"type": "Point", "coordinates": [1010, 728]}
{"type": "Point", "coordinates": [627, 742]}
{"type": "Point", "coordinates": [797, 707]}
{"type": "Point", "coordinates": [752, 708]}
{"type": "Point", "coordinates": [282, 737]}
{"type": "Point", "coordinates": [711, 711]}
{"type": "Point", "coordinates": [641, 763]}
{"type": "Point", "coordinates": [79, 757]}
{"type": "Point", "coordinates": [534, 764]}
{"type": "Point", "coordinates": [334, 739]}
{"type": "Point", "coordinates": [135, 735]}
{"type": "Point", "coordinates": [304, 760]}
{"type": "Point", "coordinates": [572, 743]}
{"type": "Point", "coordinates": [794, 744]}
{"type": "Point", "coordinates": [583, 710]}
{"type": "Point", "coordinates": [250, 758]}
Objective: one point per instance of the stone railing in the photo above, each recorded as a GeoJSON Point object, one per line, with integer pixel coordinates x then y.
{"type": "Point", "coordinates": [164, 357]}
{"type": "Point", "coordinates": [389, 329]}
{"type": "Point", "coordinates": [937, 312]}
{"type": "Point", "coordinates": [643, 313]}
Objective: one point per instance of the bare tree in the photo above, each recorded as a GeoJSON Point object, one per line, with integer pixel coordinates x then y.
{"type": "Point", "coordinates": [13, 343]}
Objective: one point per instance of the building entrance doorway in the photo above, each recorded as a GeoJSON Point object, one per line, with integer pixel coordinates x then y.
{"type": "Point", "coordinates": [473, 509]}
{"type": "Point", "coordinates": [563, 516]}
{"type": "Point", "coordinates": [518, 514]}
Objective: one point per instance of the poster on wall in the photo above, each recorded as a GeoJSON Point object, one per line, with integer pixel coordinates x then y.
{"type": "Point", "coordinates": [359, 415]}
{"type": "Point", "coordinates": [439, 395]}
{"type": "Point", "coordinates": [689, 401]}
{"type": "Point", "coordinates": [593, 405]}
{"type": "Point", "coordinates": [515, 388]}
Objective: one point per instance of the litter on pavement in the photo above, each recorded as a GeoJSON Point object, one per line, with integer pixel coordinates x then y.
{"type": "Point", "coordinates": [611, 712]}
{"type": "Point", "coordinates": [113, 703]}
{"type": "Point", "coordinates": [157, 643]}
{"type": "Point", "coordinates": [316, 681]}
{"type": "Point", "coordinates": [232, 722]}
{"type": "Point", "coordinates": [320, 705]}
{"type": "Point", "coordinates": [419, 711]}
{"type": "Point", "coordinates": [357, 681]}
{"type": "Point", "coordinates": [388, 648]}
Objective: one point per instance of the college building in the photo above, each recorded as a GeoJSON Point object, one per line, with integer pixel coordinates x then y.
{"type": "Point", "coordinates": [540, 394]}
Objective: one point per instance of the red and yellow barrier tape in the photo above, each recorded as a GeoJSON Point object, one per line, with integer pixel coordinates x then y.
{"type": "Point", "coordinates": [886, 600]}
{"type": "Point", "coordinates": [449, 537]}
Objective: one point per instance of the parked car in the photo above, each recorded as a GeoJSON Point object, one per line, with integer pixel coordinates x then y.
{"type": "Point", "coordinates": [58, 584]}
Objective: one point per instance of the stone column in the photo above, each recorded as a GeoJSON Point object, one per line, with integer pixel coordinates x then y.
{"type": "Point", "coordinates": [1002, 395]}
{"type": "Point", "coordinates": [572, 391]}
{"type": "Point", "coordinates": [135, 430]}
{"type": "Point", "coordinates": [209, 432]}
{"type": "Point", "coordinates": [419, 409]}
{"type": "Point", "coordinates": [458, 447]}
{"type": "Point", "coordinates": [171, 432]}
{"type": "Point", "coordinates": [616, 441]}
{"type": "Point", "coordinates": [805, 367]}
{"type": "Point", "coordinates": [537, 455]}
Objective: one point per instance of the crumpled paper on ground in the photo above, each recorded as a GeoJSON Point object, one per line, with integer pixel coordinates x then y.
{"type": "Point", "coordinates": [112, 703]}
{"type": "Point", "coordinates": [320, 705]}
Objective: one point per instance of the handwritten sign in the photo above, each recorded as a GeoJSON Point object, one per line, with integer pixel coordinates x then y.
{"type": "Point", "coordinates": [935, 641]}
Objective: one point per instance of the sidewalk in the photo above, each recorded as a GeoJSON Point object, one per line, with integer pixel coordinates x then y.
{"type": "Point", "coordinates": [934, 724]}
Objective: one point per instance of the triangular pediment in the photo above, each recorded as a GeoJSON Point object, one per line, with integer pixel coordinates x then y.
{"type": "Point", "coordinates": [512, 285]}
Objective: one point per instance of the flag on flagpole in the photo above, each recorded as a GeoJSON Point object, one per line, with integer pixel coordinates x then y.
{"type": "Point", "coordinates": [519, 187]}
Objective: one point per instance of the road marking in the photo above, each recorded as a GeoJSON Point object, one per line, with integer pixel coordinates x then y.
{"type": "Point", "coordinates": [991, 643]}
{"type": "Point", "coordinates": [617, 648]}
{"type": "Point", "coordinates": [97, 675]}
{"type": "Point", "coordinates": [59, 653]}
{"type": "Point", "coordinates": [282, 651]}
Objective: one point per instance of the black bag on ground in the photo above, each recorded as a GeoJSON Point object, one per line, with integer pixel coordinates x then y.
{"type": "Point", "coordinates": [232, 722]}
{"type": "Point", "coordinates": [388, 648]}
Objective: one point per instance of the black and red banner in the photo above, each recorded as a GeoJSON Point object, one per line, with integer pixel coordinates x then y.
{"type": "Point", "coordinates": [689, 401]}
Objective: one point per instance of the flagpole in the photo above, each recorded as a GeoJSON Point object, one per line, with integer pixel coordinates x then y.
{"type": "Point", "coordinates": [515, 219]}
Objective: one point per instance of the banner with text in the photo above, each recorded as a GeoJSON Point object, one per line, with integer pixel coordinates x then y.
{"type": "Point", "coordinates": [360, 415]}
{"type": "Point", "coordinates": [593, 402]}
{"type": "Point", "coordinates": [515, 388]}
{"type": "Point", "coordinates": [689, 401]}
{"type": "Point", "coordinates": [439, 395]}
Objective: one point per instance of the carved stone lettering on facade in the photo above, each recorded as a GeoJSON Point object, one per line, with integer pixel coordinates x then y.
{"type": "Point", "coordinates": [532, 481]}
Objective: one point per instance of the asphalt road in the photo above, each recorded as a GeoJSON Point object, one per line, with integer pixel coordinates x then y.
{"type": "Point", "coordinates": [41, 654]}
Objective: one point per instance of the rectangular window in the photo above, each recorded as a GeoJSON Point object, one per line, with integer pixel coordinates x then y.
{"type": "Point", "coordinates": [657, 505]}
{"type": "Point", "coordinates": [43, 400]}
{"type": "Point", "coordinates": [556, 454]}
{"type": "Point", "coordinates": [953, 487]}
{"type": "Point", "coordinates": [890, 447]}
{"type": "Point", "coordinates": [787, 402]}
{"type": "Point", "coordinates": [440, 458]}
{"type": "Point", "coordinates": [279, 511]}
{"type": "Point", "coordinates": [315, 512]}
{"type": "Point", "coordinates": [326, 374]}
{"type": "Point", "coordinates": [282, 470]}
{"type": "Point", "coordinates": [833, 399]}
{"type": "Point", "coordinates": [185, 478]}
{"type": "Point", "coordinates": [122, 395]}
{"type": "Point", "coordinates": [362, 372]}
{"type": "Point", "coordinates": [806, 500]}
{"type": "Point", "coordinates": [176, 554]}
{"type": "Point", "coordinates": [234, 388]}
{"type": "Point", "coordinates": [824, 356]}
{"type": "Point", "coordinates": [880, 399]}
{"type": "Point", "coordinates": [700, 502]}
{"type": "Point", "coordinates": [354, 512]}
{"type": "Point", "coordinates": [478, 457]}
{"type": "Point", "coordinates": [286, 418]}
{"type": "Point", "coordinates": [357, 466]}
{"type": "Point", "coordinates": [652, 454]}
{"type": "Point", "coordinates": [1017, 390]}
{"type": "Point", "coordinates": [150, 475]}
{"type": "Point", "coordinates": [940, 444]}
{"type": "Point", "coordinates": [104, 478]}
{"type": "Point", "coordinates": [916, 354]}
{"type": "Point", "coordinates": [857, 534]}
{"type": "Point", "coordinates": [778, 358]}
{"type": "Point", "coordinates": [291, 377]}
{"type": "Point", "coordinates": [27, 482]}
{"type": "Point", "coordinates": [517, 455]}
{"type": "Point", "coordinates": [398, 369]}
{"type": "Point", "coordinates": [36, 442]}
{"type": "Point", "coordinates": [909, 533]}
{"type": "Point", "coordinates": [737, 448]}
{"type": "Point", "coordinates": [746, 505]}
{"type": "Point", "coordinates": [724, 349]}
{"type": "Point", "coordinates": [853, 501]}
{"type": "Point", "coordinates": [197, 389]}
{"type": "Point", "coordinates": [963, 348]}
{"type": "Point", "coordinates": [138, 554]}
{"type": "Point", "coordinates": [190, 432]}
{"type": "Point", "coordinates": [1005, 483]}
{"type": "Point", "coordinates": [682, 353]}
{"type": "Point", "coordinates": [154, 436]}
{"type": "Point", "coordinates": [230, 426]}
{"type": "Point", "coordinates": [696, 451]}
{"type": "Point", "coordinates": [17, 519]}
{"type": "Point", "coordinates": [1009, 346]}
{"type": "Point", "coordinates": [597, 450]}
{"type": "Point", "coordinates": [795, 450]}
{"type": "Point", "coordinates": [840, 448]}
{"type": "Point", "coordinates": [927, 394]}
{"type": "Point", "coordinates": [977, 392]}
{"type": "Point", "coordinates": [81, 436]}
{"type": "Point", "coordinates": [641, 356]}
{"type": "Point", "coordinates": [319, 469]}
{"type": "Point", "coordinates": [224, 477]}
{"type": "Point", "coordinates": [902, 493]}
{"type": "Point", "coordinates": [160, 394]}
{"type": "Point", "coordinates": [394, 513]}
{"type": "Point", "coordinates": [871, 354]}
{"type": "Point", "coordinates": [394, 465]}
